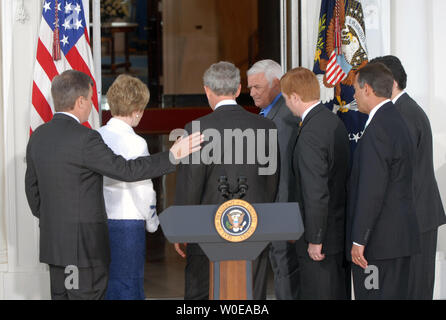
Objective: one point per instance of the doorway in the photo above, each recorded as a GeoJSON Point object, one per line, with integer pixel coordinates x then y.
{"type": "Point", "coordinates": [175, 42]}
{"type": "Point", "coordinates": [197, 33]}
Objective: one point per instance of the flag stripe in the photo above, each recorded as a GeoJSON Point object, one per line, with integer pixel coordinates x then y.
{"type": "Point", "coordinates": [44, 84]}
{"type": "Point", "coordinates": [334, 73]}
{"type": "Point", "coordinates": [86, 37]}
{"type": "Point", "coordinates": [46, 61]}
{"type": "Point", "coordinates": [35, 119]}
{"type": "Point", "coordinates": [41, 104]}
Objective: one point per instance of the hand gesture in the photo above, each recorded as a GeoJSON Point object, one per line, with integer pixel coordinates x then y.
{"type": "Point", "coordinates": [184, 146]}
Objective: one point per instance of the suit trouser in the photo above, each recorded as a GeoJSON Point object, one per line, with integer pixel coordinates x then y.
{"type": "Point", "coordinates": [383, 280]}
{"type": "Point", "coordinates": [260, 275]}
{"type": "Point", "coordinates": [88, 284]}
{"type": "Point", "coordinates": [285, 265]}
{"type": "Point", "coordinates": [197, 276]}
{"type": "Point", "coordinates": [322, 280]}
{"type": "Point", "coordinates": [422, 268]}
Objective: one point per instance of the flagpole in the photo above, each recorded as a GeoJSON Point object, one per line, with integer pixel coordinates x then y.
{"type": "Point", "coordinates": [97, 52]}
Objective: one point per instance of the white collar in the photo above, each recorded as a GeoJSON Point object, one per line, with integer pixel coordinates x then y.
{"type": "Point", "coordinates": [69, 114]}
{"type": "Point", "coordinates": [120, 125]}
{"type": "Point", "coordinates": [308, 110]}
{"type": "Point", "coordinates": [374, 110]}
{"type": "Point", "coordinates": [225, 102]}
{"type": "Point", "coordinates": [398, 96]}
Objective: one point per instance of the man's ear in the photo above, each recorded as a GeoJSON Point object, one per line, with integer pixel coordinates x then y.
{"type": "Point", "coordinates": [78, 103]}
{"type": "Point", "coordinates": [207, 91]}
{"type": "Point", "coordinates": [367, 89]}
{"type": "Point", "coordinates": [238, 90]}
{"type": "Point", "coordinates": [295, 98]}
{"type": "Point", "coordinates": [395, 87]}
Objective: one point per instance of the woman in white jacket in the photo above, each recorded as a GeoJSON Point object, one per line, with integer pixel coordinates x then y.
{"type": "Point", "coordinates": [131, 207]}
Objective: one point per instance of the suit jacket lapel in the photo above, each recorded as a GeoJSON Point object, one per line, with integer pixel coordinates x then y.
{"type": "Point", "coordinates": [272, 113]}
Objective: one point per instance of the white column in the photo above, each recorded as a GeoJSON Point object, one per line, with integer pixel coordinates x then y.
{"type": "Point", "coordinates": [310, 23]}
{"type": "Point", "coordinates": [283, 35]}
{"type": "Point", "coordinates": [410, 29]}
{"type": "Point", "coordinates": [3, 248]}
{"type": "Point", "coordinates": [417, 39]}
{"type": "Point", "coordinates": [377, 25]}
{"type": "Point", "coordinates": [294, 34]}
{"type": "Point", "coordinates": [437, 114]}
{"type": "Point", "coordinates": [24, 277]}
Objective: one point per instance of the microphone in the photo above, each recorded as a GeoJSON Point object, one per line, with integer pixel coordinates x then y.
{"type": "Point", "coordinates": [223, 186]}
{"type": "Point", "coordinates": [242, 186]}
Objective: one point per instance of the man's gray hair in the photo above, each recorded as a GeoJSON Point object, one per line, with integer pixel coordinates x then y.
{"type": "Point", "coordinates": [270, 68]}
{"type": "Point", "coordinates": [223, 78]}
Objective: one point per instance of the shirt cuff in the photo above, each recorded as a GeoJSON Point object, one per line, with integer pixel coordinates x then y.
{"type": "Point", "coordinates": [357, 244]}
{"type": "Point", "coordinates": [152, 224]}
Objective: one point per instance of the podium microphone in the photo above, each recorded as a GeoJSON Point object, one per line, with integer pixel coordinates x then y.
{"type": "Point", "coordinates": [242, 186]}
{"type": "Point", "coordinates": [223, 186]}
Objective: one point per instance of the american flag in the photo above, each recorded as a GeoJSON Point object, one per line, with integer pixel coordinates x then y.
{"type": "Point", "coordinates": [335, 72]}
{"type": "Point", "coordinates": [61, 46]}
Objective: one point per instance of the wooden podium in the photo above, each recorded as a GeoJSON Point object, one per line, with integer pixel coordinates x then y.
{"type": "Point", "coordinates": [231, 262]}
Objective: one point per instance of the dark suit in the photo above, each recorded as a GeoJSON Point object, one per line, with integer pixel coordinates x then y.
{"type": "Point", "coordinates": [381, 215]}
{"type": "Point", "coordinates": [320, 163]}
{"type": "Point", "coordinates": [198, 184]}
{"type": "Point", "coordinates": [283, 254]}
{"type": "Point", "coordinates": [65, 166]}
{"type": "Point", "coordinates": [427, 201]}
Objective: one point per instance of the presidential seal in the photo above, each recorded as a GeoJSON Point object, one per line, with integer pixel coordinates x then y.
{"type": "Point", "coordinates": [235, 220]}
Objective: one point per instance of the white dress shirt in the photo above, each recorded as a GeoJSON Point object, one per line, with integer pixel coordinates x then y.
{"type": "Point", "coordinates": [128, 200]}
{"type": "Point", "coordinates": [225, 102]}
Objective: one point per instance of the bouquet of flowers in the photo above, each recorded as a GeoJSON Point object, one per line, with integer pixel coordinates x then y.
{"type": "Point", "coordinates": [112, 9]}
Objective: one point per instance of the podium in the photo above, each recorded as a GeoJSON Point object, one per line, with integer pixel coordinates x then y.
{"type": "Point", "coordinates": [231, 262]}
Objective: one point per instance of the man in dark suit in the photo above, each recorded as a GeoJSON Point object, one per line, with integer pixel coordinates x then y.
{"type": "Point", "coordinates": [382, 229]}
{"type": "Point", "coordinates": [264, 85]}
{"type": "Point", "coordinates": [197, 182]}
{"type": "Point", "coordinates": [65, 166]}
{"type": "Point", "coordinates": [319, 149]}
{"type": "Point", "coordinates": [427, 201]}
